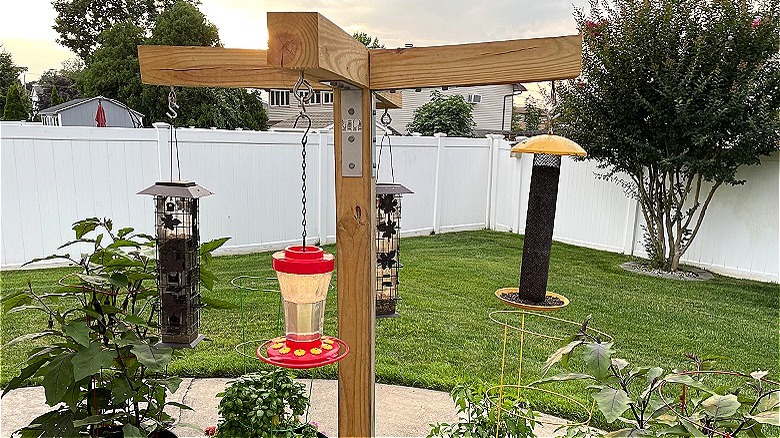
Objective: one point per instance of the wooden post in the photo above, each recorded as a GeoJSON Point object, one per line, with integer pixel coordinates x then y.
{"type": "Point", "coordinates": [356, 263]}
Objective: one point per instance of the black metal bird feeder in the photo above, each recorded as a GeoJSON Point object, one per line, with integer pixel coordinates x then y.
{"type": "Point", "coordinates": [388, 229]}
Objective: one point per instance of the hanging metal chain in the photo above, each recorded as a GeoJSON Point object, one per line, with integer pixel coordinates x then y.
{"type": "Point", "coordinates": [301, 87]}
{"type": "Point", "coordinates": [386, 120]}
{"type": "Point", "coordinates": [172, 114]}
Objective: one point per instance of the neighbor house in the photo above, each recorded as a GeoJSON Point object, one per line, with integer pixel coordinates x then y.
{"type": "Point", "coordinates": [82, 112]}
{"type": "Point", "coordinates": [492, 106]}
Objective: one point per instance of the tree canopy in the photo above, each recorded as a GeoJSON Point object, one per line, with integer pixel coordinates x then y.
{"type": "Point", "coordinates": [676, 97]}
{"type": "Point", "coordinates": [533, 115]}
{"type": "Point", "coordinates": [14, 105]}
{"type": "Point", "coordinates": [447, 114]}
{"type": "Point", "coordinates": [79, 23]}
{"type": "Point", "coordinates": [366, 40]}
{"type": "Point", "coordinates": [113, 71]}
{"type": "Point", "coordinates": [9, 75]}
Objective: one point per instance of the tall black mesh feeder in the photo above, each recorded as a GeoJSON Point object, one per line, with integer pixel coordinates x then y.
{"type": "Point", "coordinates": [532, 293]}
{"type": "Point", "coordinates": [178, 263]}
{"type": "Point", "coordinates": [388, 229]}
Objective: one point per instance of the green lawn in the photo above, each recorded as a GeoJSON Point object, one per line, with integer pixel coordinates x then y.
{"type": "Point", "coordinates": [444, 335]}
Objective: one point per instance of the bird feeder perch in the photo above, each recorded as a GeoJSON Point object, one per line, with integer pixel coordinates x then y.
{"type": "Point", "coordinates": [178, 261]}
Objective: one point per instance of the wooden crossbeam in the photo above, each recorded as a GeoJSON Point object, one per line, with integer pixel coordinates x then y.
{"type": "Point", "coordinates": [308, 41]}
{"type": "Point", "coordinates": [387, 100]}
{"type": "Point", "coordinates": [499, 62]}
{"type": "Point", "coordinates": [214, 67]}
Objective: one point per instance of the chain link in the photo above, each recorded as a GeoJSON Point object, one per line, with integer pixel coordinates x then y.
{"type": "Point", "coordinates": [303, 100]}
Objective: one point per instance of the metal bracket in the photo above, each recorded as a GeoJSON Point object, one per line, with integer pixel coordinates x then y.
{"type": "Point", "coordinates": [352, 133]}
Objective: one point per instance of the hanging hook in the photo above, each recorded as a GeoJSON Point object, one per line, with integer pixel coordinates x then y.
{"type": "Point", "coordinates": [303, 100]}
{"type": "Point", "coordinates": [386, 120]}
{"type": "Point", "coordinates": [172, 105]}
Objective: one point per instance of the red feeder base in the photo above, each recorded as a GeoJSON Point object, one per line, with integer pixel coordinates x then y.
{"type": "Point", "coordinates": [285, 353]}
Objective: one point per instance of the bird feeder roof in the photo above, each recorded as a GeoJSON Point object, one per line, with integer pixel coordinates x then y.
{"type": "Point", "coordinates": [392, 189]}
{"type": "Point", "coordinates": [548, 144]}
{"type": "Point", "coordinates": [179, 189]}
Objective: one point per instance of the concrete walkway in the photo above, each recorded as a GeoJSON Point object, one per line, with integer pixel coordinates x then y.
{"type": "Point", "coordinates": [400, 411]}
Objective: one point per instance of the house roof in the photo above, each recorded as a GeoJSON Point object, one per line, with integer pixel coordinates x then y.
{"type": "Point", "coordinates": [319, 120]}
{"type": "Point", "coordinates": [82, 100]}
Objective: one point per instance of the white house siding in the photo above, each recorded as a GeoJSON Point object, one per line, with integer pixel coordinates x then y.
{"type": "Point", "coordinates": [53, 176]}
{"type": "Point", "coordinates": [487, 114]}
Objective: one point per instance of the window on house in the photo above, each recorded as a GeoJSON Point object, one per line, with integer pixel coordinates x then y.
{"type": "Point", "coordinates": [327, 97]}
{"type": "Point", "coordinates": [280, 98]}
{"type": "Point", "coordinates": [315, 98]}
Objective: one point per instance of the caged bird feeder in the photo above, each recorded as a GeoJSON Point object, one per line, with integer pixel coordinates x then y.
{"type": "Point", "coordinates": [388, 229]}
{"type": "Point", "coordinates": [388, 232]}
{"type": "Point", "coordinates": [547, 151]}
{"type": "Point", "coordinates": [178, 262]}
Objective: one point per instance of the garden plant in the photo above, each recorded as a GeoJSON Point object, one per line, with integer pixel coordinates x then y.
{"type": "Point", "coordinates": [100, 366]}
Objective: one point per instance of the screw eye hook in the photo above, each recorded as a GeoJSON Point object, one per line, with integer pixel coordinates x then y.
{"type": "Point", "coordinates": [172, 105]}
{"type": "Point", "coordinates": [386, 120]}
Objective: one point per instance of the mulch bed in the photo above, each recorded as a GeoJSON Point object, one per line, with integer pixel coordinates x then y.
{"type": "Point", "coordinates": [549, 301]}
{"type": "Point", "coordinates": [688, 274]}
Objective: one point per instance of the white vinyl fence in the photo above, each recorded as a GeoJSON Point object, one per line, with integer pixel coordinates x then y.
{"type": "Point", "coordinates": [53, 176]}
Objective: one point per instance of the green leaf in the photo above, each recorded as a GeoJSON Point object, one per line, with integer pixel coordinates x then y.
{"type": "Point", "coordinates": [153, 358]}
{"type": "Point", "coordinates": [215, 303]}
{"type": "Point", "coordinates": [78, 331]}
{"type": "Point", "coordinates": [207, 277]}
{"type": "Point", "coordinates": [130, 431]}
{"type": "Point", "coordinates": [654, 373]}
{"type": "Point", "coordinates": [769, 401]}
{"type": "Point", "coordinates": [29, 337]}
{"type": "Point", "coordinates": [688, 381]}
{"type": "Point", "coordinates": [208, 247]}
{"type": "Point", "coordinates": [559, 354]}
{"type": "Point", "coordinates": [768, 417]}
{"type": "Point", "coordinates": [179, 405]}
{"type": "Point", "coordinates": [720, 406]}
{"type": "Point", "coordinates": [628, 433]}
{"type": "Point", "coordinates": [85, 226]}
{"type": "Point", "coordinates": [124, 231]}
{"type": "Point", "coordinates": [612, 403]}
{"type": "Point", "coordinates": [563, 378]}
{"type": "Point", "coordinates": [598, 358]}
{"type": "Point", "coordinates": [57, 378]}
{"type": "Point", "coordinates": [89, 361]}
{"type": "Point", "coordinates": [31, 369]}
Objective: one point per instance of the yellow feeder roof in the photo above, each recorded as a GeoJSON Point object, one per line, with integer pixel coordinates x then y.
{"type": "Point", "coordinates": [548, 144]}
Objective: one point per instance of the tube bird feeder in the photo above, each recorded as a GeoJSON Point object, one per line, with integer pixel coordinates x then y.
{"type": "Point", "coordinates": [388, 229]}
{"type": "Point", "coordinates": [178, 261]}
{"type": "Point", "coordinates": [542, 198]}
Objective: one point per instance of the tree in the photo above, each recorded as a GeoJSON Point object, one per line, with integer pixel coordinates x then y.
{"type": "Point", "coordinates": [367, 41]}
{"type": "Point", "coordinates": [9, 75]}
{"type": "Point", "coordinates": [448, 114]}
{"type": "Point", "coordinates": [113, 69]}
{"type": "Point", "coordinates": [63, 80]}
{"type": "Point", "coordinates": [79, 23]}
{"type": "Point", "coordinates": [55, 98]}
{"type": "Point", "coordinates": [14, 106]}
{"type": "Point", "coordinates": [533, 115]}
{"type": "Point", "coordinates": [675, 97]}
{"type": "Point", "coordinates": [185, 25]}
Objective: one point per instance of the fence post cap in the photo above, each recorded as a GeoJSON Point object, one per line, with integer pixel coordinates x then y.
{"type": "Point", "coordinates": [161, 125]}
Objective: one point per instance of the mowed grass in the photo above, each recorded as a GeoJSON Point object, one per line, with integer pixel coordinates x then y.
{"type": "Point", "coordinates": [444, 335]}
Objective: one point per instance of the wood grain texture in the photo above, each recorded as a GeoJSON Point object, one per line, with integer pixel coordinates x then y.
{"type": "Point", "coordinates": [310, 42]}
{"type": "Point", "coordinates": [499, 62]}
{"type": "Point", "coordinates": [356, 264]}
{"type": "Point", "coordinates": [214, 67]}
{"type": "Point", "coordinates": [388, 100]}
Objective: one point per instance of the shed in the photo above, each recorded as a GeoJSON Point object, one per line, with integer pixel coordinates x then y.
{"type": "Point", "coordinates": [82, 111]}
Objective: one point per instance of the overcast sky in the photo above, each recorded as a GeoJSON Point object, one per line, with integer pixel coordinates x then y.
{"type": "Point", "coordinates": [25, 27]}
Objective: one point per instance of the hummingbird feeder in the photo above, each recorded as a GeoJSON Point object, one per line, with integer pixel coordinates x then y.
{"type": "Point", "coordinates": [304, 274]}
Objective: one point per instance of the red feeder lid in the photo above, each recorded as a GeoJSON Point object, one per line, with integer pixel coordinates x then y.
{"type": "Point", "coordinates": [296, 260]}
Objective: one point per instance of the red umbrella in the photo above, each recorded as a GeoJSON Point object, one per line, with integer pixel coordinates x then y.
{"type": "Point", "coordinates": [100, 116]}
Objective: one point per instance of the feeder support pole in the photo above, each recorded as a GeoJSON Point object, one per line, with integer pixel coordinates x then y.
{"type": "Point", "coordinates": [356, 262]}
